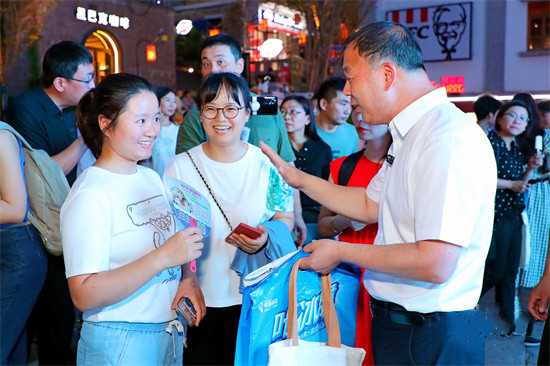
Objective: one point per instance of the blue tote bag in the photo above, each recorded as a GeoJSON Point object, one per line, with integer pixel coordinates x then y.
{"type": "Point", "coordinates": [265, 303]}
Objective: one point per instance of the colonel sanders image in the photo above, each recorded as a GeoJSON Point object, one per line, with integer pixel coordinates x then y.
{"type": "Point", "coordinates": [449, 23]}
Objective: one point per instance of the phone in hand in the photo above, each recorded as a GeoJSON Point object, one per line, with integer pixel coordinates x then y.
{"type": "Point", "coordinates": [245, 230]}
{"type": "Point", "coordinates": [187, 311]}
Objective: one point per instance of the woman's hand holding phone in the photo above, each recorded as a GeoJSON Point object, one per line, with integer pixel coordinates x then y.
{"type": "Point", "coordinates": [246, 243]}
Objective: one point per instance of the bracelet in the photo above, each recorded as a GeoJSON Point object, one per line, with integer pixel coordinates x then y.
{"type": "Point", "coordinates": [332, 227]}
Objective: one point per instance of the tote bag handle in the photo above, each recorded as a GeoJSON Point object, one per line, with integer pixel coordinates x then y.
{"type": "Point", "coordinates": [329, 309]}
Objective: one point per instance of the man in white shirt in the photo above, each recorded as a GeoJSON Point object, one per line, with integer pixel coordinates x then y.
{"type": "Point", "coordinates": [433, 200]}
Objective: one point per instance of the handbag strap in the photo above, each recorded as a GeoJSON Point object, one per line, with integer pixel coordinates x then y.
{"type": "Point", "coordinates": [209, 190]}
{"type": "Point", "coordinates": [329, 309]}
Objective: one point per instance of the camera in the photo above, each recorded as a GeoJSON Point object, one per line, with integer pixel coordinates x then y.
{"type": "Point", "coordinates": [264, 106]}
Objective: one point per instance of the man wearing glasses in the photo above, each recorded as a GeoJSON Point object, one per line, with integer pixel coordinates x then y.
{"type": "Point", "coordinates": [45, 117]}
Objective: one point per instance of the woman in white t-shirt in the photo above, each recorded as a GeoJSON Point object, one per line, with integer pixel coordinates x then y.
{"type": "Point", "coordinates": [126, 265]}
{"type": "Point", "coordinates": [165, 145]}
{"type": "Point", "coordinates": [243, 184]}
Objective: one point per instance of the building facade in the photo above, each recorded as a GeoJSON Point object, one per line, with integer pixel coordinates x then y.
{"type": "Point", "coordinates": [478, 46]}
{"type": "Point", "coordinates": [121, 35]}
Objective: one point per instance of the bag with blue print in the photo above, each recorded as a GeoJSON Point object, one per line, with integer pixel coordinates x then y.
{"type": "Point", "coordinates": [263, 318]}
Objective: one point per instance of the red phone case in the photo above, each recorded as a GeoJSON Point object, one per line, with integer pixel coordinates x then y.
{"type": "Point", "coordinates": [246, 230]}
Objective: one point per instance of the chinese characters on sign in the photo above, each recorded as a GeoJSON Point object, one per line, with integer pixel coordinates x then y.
{"type": "Point", "coordinates": [454, 84]}
{"type": "Point", "coordinates": [443, 32]}
{"type": "Point", "coordinates": [102, 18]}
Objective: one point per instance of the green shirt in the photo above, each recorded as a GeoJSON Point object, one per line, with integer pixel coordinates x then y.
{"type": "Point", "coordinates": [269, 129]}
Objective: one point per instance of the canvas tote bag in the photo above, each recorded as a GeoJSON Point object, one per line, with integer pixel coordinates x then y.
{"type": "Point", "coordinates": [293, 351]}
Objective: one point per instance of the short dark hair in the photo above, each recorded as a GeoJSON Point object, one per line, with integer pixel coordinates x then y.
{"type": "Point", "coordinates": [390, 41]}
{"type": "Point", "coordinates": [484, 105]}
{"type": "Point", "coordinates": [224, 39]}
{"type": "Point", "coordinates": [213, 84]}
{"type": "Point", "coordinates": [544, 106]}
{"type": "Point", "coordinates": [504, 108]}
{"type": "Point", "coordinates": [311, 129]}
{"type": "Point", "coordinates": [110, 99]}
{"type": "Point", "coordinates": [329, 89]}
{"type": "Point", "coordinates": [162, 91]}
{"type": "Point", "coordinates": [62, 60]}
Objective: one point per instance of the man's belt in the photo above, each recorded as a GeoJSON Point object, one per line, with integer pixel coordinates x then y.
{"type": "Point", "coordinates": [399, 315]}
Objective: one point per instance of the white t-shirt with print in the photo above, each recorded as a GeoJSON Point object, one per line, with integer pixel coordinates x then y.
{"type": "Point", "coordinates": [164, 148]}
{"type": "Point", "coordinates": [109, 220]}
{"type": "Point", "coordinates": [250, 191]}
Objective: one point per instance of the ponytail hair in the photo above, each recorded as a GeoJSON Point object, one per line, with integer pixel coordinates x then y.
{"type": "Point", "coordinates": [110, 99]}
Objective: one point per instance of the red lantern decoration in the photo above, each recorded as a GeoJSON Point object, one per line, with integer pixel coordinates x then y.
{"type": "Point", "coordinates": [263, 25]}
{"type": "Point", "coordinates": [302, 39]}
{"type": "Point", "coordinates": [213, 32]}
{"type": "Point", "coordinates": [297, 18]}
{"type": "Point", "coordinates": [151, 53]}
{"type": "Point", "coordinates": [344, 33]}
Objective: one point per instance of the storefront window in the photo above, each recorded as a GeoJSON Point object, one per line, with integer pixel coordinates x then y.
{"type": "Point", "coordinates": [106, 53]}
{"type": "Point", "coordinates": [538, 32]}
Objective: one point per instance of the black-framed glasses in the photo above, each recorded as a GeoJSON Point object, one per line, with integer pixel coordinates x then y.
{"type": "Point", "coordinates": [291, 113]}
{"type": "Point", "coordinates": [513, 116]}
{"type": "Point", "coordinates": [87, 81]}
{"type": "Point", "coordinates": [229, 111]}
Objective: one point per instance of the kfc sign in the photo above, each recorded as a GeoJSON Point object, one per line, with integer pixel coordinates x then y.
{"type": "Point", "coordinates": [443, 32]}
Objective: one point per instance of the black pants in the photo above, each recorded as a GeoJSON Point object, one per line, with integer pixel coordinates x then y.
{"type": "Point", "coordinates": [501, 266]}
{"type": "Point", "coordinates": [213, 341]}
{"type": "Point", "coordinates": [544, 350]}
{"type": "Point", "coordinates": [52, 318]}
{"type": "Point", "coordinates": [453, 338]}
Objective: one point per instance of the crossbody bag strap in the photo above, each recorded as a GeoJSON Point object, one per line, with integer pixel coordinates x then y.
{"type": "Point", "coordinates": [348, 166]}
{"type": "Point", "coordinates": [210, 191]}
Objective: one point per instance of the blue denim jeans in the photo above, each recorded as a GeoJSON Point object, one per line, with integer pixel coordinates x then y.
{"type": "Point", "coordinates": [123, 343]}
{"type": "Point", "coordinates": [23, 267]}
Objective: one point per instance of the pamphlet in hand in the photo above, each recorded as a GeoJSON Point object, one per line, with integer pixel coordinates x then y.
{"type": "Point", "coordinates": [189, 206]}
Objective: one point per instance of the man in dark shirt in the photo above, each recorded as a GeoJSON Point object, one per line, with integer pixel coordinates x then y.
{"type": "Point", "coordinates": [45, 117]}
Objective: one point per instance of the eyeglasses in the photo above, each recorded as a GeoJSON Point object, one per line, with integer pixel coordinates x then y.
{"type": "Point", "coordinates": [87, 81]}
{"type": "Point", "coordinates": [513, 116]}
{"type": "Point", "coordinates": [229, 111]}
{"type": "Point", "coordinates": [292, 113]}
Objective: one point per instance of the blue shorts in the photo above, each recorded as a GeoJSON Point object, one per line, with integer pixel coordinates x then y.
{"type": "Point", "coordinates": [123, 343]}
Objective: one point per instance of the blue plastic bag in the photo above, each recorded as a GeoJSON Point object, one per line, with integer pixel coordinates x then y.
{"type": "Point", "coordinates": [265, 304]}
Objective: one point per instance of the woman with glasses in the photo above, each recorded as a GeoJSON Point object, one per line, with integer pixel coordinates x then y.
{"type": "Point", "coordinates": [242, 186]}
{"type": "Point", "coordinates": [313, 156]}
{"type": "Point", "coordinates": [502, 262]}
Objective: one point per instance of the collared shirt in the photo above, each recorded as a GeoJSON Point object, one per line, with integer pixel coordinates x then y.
{"type": "Point", "coordinates": [440, 186]}
{"type": "Point", "coordinates": [509, 167]}
{"type": "Point", "coordinates": [36, 117]}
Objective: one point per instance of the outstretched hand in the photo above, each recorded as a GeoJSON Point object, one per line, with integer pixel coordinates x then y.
{"type": "Point", "coordinates": [290, 174]}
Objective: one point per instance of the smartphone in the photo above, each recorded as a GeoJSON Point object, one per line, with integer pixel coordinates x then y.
{"type": "Point", "coordinates": [187, 311]}
{"type": "Point", "coordinates": [266, 106]}
{"type": "Point", "coordinates": [246, 230]}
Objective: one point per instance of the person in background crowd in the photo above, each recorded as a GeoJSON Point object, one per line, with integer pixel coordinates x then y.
{"type": "Point", "coordinates": [485, 108]}
{"type": "Point", "coordinates": [188, 102]}
{"type": "Point", "coordinates": [24, 264]}
{"type": "Point", "coordinates": [537, 203]}
{"type": "Point", "coordinates": [165, 144]}
{"type": "Point", "coordinates": [222, 53]}
{"type": "Point", "coordinates": [44, 116]}
{"type": "Point", "coordinates": [334, 110]}
{"type": "Point", "coordinates": [313, 156]}
{"type": "Point", "coordinates": [424, 273]}
{"type": "Point", "coordinates": [538, 302]}
{"type": "Point", "coordinates": [503, 258]}
{"type": "Point", "coordinates": [378, 140]}
{"type": "Point", "coordinates": [123, 256]}
{"type": "Point", "coordinates": [544, 112]}
{"type": "Point", "coordinates": [242, 186]}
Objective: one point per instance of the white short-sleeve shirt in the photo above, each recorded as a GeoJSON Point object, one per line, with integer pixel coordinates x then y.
{"type": "Point", "coordinates": [250, 191]}
{"type": "Point", "coordinates": [109, 220]}
{"type": "Point", "coordinates": [440, 186]}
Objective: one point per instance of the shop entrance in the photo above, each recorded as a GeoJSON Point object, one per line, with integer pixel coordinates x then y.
{"type": "Point", "coordinates": [106, 52]}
